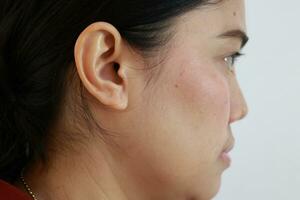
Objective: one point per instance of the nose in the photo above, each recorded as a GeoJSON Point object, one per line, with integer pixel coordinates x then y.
{"type": "Point", "coordinates": [239, 107]}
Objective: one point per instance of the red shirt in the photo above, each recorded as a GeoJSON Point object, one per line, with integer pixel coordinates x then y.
{"type": "Point", "coordinates": [10, 192]}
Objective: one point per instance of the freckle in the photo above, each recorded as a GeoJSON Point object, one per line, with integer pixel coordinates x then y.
{"type": "Point", "coordinates": [176, 85]}
{"type": "Point", "coordinates": [181, 73]}
{"type": "Point", "coordinates": [234, 13]}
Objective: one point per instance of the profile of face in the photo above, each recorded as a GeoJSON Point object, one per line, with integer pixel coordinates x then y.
{"type": "Point", "coordinates": [173, 127]}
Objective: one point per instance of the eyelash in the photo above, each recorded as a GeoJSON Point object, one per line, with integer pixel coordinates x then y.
{"type": "Point", "coordinates": [234, 57]}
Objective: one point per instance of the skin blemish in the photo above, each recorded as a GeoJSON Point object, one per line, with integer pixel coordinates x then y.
{"type": "Point", "coordinates": [176, 85]}
{"type": "Point", "coordinates": [234, 13]}
{"type": "Point", "coordinates": [181, 73]}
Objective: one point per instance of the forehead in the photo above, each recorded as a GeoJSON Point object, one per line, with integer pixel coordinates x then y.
{"type": "Point", "coordinates": [215, 18]}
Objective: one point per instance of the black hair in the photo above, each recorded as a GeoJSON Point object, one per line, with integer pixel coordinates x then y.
{"type": "Point", "coordinates": [37, 39]}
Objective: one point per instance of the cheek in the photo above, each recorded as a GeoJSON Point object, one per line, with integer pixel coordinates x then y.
{"type": "Point", "coordinates": [205, 89]}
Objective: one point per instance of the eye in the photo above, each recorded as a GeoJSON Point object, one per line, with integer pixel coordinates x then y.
{"type": "Point", "coordinates": [230, 60]}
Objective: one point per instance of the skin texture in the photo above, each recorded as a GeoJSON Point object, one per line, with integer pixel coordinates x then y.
{"type": "Point", "coordinates": [170, 132]}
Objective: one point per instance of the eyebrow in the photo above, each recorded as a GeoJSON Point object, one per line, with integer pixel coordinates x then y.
{"type": "Point", "coordinates": [236, 34]}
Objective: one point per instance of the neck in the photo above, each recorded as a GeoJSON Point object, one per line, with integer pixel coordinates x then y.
{"type": "Point", "coordinates": [89, 174]}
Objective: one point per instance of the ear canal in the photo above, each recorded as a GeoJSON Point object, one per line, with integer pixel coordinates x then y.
{"type": "Point", "coordinates": [116, 69]}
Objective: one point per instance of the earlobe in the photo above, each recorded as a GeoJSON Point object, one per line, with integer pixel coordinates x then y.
{"type": "Point", "coordinates": [97, 53]}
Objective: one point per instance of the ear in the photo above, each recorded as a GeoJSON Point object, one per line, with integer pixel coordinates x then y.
{"type": "Point", "coordinates": [98, 61]}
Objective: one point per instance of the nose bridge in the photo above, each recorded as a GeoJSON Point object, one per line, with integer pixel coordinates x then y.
{"type": "Point", "coordinates": [239, 107]}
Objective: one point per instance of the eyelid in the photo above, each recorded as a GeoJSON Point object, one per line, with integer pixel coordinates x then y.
{"type": "Point", "coordinates": [237, 55]}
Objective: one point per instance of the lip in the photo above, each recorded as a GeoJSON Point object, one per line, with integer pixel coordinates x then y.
{"type": "Point", "coordinates": [225, 158]}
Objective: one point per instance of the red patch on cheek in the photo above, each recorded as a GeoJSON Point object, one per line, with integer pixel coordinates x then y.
{"type": "Point", "coordinates": [182, 72]}
{"type": "Point", "coordinates": [180, 77]}
{"type": "Point", "coordinates": [222, 102]}
{"type": "Point", "coordinates": [204, 90]}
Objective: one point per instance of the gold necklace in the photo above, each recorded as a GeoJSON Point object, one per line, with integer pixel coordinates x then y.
{"type": "Point", "coordinates": [27, 186]}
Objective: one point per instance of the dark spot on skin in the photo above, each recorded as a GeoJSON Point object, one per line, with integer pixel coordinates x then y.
{"type": "Point", "coordinates": [234, 13]}
{"type": "Point", "coordinates": [176, 85]}
{"type": "Point", "coordinates": [181, 73]}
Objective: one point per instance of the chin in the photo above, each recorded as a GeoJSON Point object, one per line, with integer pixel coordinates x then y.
{"type": "Point", "coordinates": [208, 192]}
{"type": "Point", "coordinates": [214, 191]}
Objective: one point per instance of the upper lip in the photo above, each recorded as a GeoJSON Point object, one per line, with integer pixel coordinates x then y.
{"type": "Point", "coordinates": [230, 146]}
{"type": "Point", "coordinates": [230, 143]}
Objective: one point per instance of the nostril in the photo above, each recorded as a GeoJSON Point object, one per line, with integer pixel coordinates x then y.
{"type": "Point", "coordinates": [244, 113]}
{"type": "Point", "coordinates": [238, 107]}
{"type": "Point", "coordinates": [245, 109]}
{"type": "Point", "coordinates": [238, 115]}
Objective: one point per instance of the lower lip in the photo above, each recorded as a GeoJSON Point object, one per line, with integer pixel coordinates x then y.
{"type": "Point", "coordinates": [226, 158]}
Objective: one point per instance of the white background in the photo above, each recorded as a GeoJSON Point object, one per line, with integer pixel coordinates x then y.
{"type": "Point", "coordinates": [266, 157]}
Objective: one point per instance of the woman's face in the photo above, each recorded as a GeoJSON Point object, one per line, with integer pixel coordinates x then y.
{"type": "Point", "coordinates": [179, 125]}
